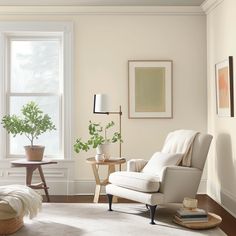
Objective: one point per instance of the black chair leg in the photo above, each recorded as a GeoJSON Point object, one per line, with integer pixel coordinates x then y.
{"type": "Point", "coordinates": [109, 201]}
{"type": "Point", "coordinates": [152, 213]}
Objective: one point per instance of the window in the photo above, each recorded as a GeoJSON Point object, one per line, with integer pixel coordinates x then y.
{"type": "Point", "coordinates": [34, 75]}
{"type": "Point", "coordinates": [36, 64]}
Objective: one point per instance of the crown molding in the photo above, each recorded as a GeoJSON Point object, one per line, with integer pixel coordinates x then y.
{"type": "Point", "coordinates": [208, 5]}
{"type": "Point", "coordinates": [100, 2]}
{"type": "Point", "coordinates": [101, 10]}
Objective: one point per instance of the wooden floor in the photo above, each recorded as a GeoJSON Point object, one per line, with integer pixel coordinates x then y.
{"type": "Point", "coordinates": [228, 224]}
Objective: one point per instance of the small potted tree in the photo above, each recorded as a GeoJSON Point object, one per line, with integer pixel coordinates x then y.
{"type": "Point", "coordinates": [32, 124]}
{"type": "Point", "coordinates": [99, 140]}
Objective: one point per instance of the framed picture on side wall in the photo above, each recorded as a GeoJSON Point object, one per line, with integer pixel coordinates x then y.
{"type": "Point", "coordinates": [225, 88]}
{"type": "Point", "coordinates": [150, 89]}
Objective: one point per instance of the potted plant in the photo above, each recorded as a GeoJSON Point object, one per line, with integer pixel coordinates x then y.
{"type": "Point", "coordinates": [32, 124]}
{"type": "Point", "coordinates": [98, 139]}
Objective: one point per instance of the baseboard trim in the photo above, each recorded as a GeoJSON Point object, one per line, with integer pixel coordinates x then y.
{"type": "Point", "coordinates": [86, 187]}
{"type": "Point", "coordinates": [228, 202]}
{"type": "Point", "coordinates": [224, 198]}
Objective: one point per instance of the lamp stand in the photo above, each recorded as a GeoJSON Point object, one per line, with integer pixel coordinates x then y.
{"type": "Point", "coordinates": [120, 114]}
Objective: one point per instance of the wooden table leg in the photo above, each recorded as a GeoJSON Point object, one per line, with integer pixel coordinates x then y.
{"type": "Point", "coordinates": [44, 182]}
{"type": "Point", "coordinates": [111, 169]}
{"type": "Point", "coordinates": [29, 174]}
{"type": "Point", "coordinates": [97, 193]}
{"type": "Point", "coordinates": [98, 183]}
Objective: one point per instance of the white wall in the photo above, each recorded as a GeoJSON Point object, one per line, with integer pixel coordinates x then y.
{"type": "Point", "coordinates": [106, 43]}
{"type": "Point", "coordinates": [103, 45]}
{"type": "Point", "coordinates": [221, 38]}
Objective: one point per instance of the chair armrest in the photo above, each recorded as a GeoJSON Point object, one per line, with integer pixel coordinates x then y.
{"type": "Point", "coordinates": [136, 165]}
{"type": "Point", "coordinates": [178, 182]}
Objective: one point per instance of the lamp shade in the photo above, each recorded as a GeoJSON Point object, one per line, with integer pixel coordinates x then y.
{"type": "Point", "coordinates": [101, 104]}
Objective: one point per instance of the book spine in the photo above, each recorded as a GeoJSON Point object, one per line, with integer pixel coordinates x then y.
{"type": "Point", "coordinates": [196, 220]}
{"type": "Point", "coordinates": [192, 216]}
{"type": "Point", "coordinates": [191, 212]}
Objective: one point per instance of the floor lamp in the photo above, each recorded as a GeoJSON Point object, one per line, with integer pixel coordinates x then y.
{"type": "Point", "coordinates": [101, 106]}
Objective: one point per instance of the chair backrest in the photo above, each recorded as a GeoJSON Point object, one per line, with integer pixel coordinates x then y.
{"type": "Point", "coordinates": [178, 185]}
{"type": "Point", "coordinates": [200, 150]}
{"type": "Point", "coordinates": [179, 141]}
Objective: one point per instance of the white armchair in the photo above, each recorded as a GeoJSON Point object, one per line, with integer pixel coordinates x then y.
{"type": "Point", "coordinates": [170, 183]}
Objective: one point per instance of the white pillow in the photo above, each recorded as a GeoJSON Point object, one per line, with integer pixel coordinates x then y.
{"type": "Point", "coordinates": [159, 160]}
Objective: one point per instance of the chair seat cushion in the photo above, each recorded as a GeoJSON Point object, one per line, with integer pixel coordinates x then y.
{"type": "Point", "coordinates": [136, 181]}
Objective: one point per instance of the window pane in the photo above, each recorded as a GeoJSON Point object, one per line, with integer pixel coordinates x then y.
{"type": "Point", "coordinates": [35, 66]}
{"type": "Point", "coordinates": [50, 105]}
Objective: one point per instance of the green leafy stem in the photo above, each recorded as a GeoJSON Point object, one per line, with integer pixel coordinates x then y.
{"type": "Point", "coordinates": [98, 136]}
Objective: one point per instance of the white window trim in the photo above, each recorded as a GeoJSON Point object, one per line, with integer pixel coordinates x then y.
{"type": "Point", "coordinates": [23, 27]}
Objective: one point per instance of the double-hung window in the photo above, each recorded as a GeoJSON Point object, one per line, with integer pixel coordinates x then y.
{"type": "Point", "coordinates": [36, 69]}
{"type": "Point", "coordinates": [34, 74]}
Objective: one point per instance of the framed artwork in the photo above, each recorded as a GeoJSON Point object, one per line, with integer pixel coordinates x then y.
{"type": "Point", "coordinates": [150, 89]}
{"type": "Point", "coordinates": [224, 88]}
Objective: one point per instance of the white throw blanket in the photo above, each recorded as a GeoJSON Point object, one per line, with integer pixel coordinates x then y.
{"type": "Point", "coordinates": [22, 199]}
{"type": "Point", "coordinates": [180, 141]}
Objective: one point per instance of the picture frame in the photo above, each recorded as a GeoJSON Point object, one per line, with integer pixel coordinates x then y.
{"type": "Point", "coordinates": [224, 88]}
{"type": "Point", "coordinates": [150, 89]}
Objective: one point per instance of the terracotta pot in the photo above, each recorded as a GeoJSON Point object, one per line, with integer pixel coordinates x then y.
{"type": "Point", "coordinates": [34, 153]}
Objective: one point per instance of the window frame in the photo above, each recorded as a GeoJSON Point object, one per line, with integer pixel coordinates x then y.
{"type": "Point", "coordinates": [37, 30]}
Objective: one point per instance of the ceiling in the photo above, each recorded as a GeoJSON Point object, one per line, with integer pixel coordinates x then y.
{"type": "Point", "coordinates": [102, 2]}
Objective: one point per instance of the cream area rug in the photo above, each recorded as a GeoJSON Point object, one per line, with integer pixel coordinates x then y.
{"type": "Point", "coordinates": [75, 219]}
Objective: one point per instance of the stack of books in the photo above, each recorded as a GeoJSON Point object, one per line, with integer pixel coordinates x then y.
{"type": "Point", "coordinates": [185, 215]}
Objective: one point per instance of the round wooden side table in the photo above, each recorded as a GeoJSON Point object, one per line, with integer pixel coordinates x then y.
{"type": "Point", "coordinates": [31, 166]}
{"type": "Point", "coordinates": [111, 163]}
